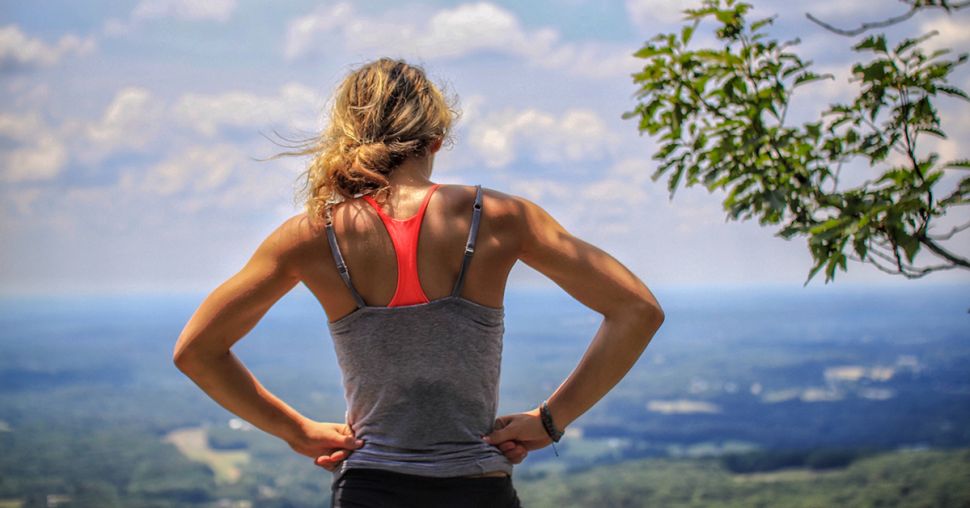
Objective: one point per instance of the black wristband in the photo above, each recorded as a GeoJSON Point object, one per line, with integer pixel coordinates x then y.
{"type": "Point", "coordinates": [547, 423]}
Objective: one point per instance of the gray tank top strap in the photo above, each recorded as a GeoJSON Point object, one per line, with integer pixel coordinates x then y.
{"type": "Point", "coordinates": [339, 260]}
{"type": "Point", "coordinates": [470, 244]}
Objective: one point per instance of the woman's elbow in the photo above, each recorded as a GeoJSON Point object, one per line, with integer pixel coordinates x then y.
{"type": "Point", "coordinates": [653, 314]}
{"type": "Point", "coordinates": [182, 360]}
{"type": "Point", "coordinates": [650, 315]}
{"type": "Point", "coordinates": [185, 356]}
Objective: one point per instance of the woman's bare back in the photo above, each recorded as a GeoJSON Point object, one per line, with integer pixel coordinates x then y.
{"type": "Point", "coordinates": [369, 254]}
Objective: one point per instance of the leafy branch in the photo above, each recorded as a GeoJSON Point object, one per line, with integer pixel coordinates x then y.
{"type": "Point", "coordinates": [720, 117]}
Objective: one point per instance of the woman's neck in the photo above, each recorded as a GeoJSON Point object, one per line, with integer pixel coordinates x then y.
{"type": "Point", "coordinates": [413, 172]}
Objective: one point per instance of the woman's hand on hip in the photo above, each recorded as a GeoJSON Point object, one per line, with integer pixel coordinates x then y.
{"type": "Point", "coordinates": [518, 434]}
{"type": "Point", "coordinates": [328, 444]}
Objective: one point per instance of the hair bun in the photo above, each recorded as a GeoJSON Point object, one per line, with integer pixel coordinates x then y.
{"type": "Point", "coordinates": [383, 156]}
{"type": "Point", "coordinates": [373, 156]}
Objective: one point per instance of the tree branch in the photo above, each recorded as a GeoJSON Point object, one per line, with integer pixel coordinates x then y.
{"type": "Point", "coordinates": [877, 265]}
{"type": "Point", "coordinates": [887, 257]}
{"type": "Point", "coordinates": [916, 6]}
{"type": "Point", "coordinates": [864, 26]}
{"type": "Point", "coordinates": [940, 251]}
{"type": "Point", "coordinates": [882, 137]}
{"type": "Point", "coordinates": [949, 235]}
{"type": "Point", "coordinates": [913, 273]}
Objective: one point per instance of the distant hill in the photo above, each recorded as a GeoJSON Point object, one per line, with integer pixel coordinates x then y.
{"type": "Point", "coordinates": [900, 479]}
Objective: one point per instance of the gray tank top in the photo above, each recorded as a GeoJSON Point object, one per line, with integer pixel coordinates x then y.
{"type": "Point", "coordinates": [421, 380]}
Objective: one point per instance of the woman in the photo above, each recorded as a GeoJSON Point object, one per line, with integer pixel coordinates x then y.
{"type": "Point", "coordinates": [411, 275]}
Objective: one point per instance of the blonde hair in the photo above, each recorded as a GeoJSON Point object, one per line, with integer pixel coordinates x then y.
{"type": "Point", "coordinates": [383, 112]}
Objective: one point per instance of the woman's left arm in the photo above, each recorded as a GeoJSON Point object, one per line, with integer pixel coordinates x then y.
{"type": "Point", "coordinates": [203, 352]}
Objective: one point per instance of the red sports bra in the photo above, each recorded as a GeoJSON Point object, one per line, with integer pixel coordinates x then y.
{"type": "Point", "coordinates": [404, 235]}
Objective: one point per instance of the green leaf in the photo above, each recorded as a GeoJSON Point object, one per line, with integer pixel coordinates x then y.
{"type": "Point", "coordinates": [827, 225]}
{"type": "Point", "coordinates": [909, 244]}
{"type": "Point", "coordinates": [813, 271]}
{"type": "Point", "coordinates": [675, 179]}
{"type": "Point", "coordinates": [934, 131]}
{"type": "Point", "coordinates": [873, 42]}
{"type": "Point", "coordinates": [830, 267]}
{"type": "Point", "coordinates": [908, 43]}
{"type": "Point", "coordinates": [762, 22]}
{"type": "Point", "coordinates": [958, 164]}
{"type": "Point", "coordinates": [953, 91]}
{"type": "Point", "coordinates": [686, 33]}
{"type": "Point", "coordinates": [875, 71]}
{"type": "Point", "coordinates": [726, 17]}
{"type": "Point", "coordinates": [789, 231]}
{"type": "Point", "coordinates": [808, 77]}
{"type": "Point", "coordinates": [859, 244]}
{"type": "Point", "coordinates": [958, 196]}
{"type": "Point", "coordinates": [649, 51]}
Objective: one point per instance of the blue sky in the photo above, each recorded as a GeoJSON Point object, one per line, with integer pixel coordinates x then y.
{"type": "Point", "coordinates": [128, 130]}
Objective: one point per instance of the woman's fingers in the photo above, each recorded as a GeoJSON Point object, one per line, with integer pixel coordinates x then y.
{"type": "Point", "coordinates": [513, 451]}
{"type": "Point", "coordinates": [516, 454]}
{"type": "Point", "coordinates": [330, 460]}
{"type": "Point", "coordinates": [351, 442]}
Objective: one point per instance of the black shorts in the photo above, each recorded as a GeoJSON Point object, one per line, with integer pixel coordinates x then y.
{"type": "Point", "coordinates": [373, 488]}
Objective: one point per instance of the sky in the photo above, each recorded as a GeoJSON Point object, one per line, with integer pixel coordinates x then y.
{"type": "Point", "coordinates": [131, 132]}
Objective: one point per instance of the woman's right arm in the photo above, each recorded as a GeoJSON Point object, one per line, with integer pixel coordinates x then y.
{"type": "Point", "coordinates": [631, 317]}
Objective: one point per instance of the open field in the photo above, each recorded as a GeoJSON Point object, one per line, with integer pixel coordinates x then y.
{"type": "Point", "coordinates": [193, 444]}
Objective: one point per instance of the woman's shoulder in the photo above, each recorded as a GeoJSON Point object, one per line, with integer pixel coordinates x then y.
{"type": "Point", "coordinates": [299, 234]}
{"type": "Point", "coordinates": [496, 204]}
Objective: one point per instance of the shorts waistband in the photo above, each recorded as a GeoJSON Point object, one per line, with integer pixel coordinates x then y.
{"type": "Point", "coordinates": [430, 480]}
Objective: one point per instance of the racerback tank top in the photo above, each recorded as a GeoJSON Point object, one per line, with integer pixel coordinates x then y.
{"type": "Point", "coordinates": [420, 377]}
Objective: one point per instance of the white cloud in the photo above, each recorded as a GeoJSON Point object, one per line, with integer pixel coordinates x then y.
{"type": "Point", "coordinates": [834, 11]}
{"type": "Point", "coordinates": [471, 107]}
{"type": "Point", "coordinates": [184, 10]}
{"type": "Point", "coordinates": [296, 104]}
{"type": "Point", "coordinates": [627, 183]}
{"type": "Point", "coordinates": [953, 34]}
{"type": "Point", "coordinates": [130, 122]}
{"type": "Point", "coordinates": [197, 169]}
{"type": "Point", "coordinates": [652, 13]}
{"type": "Point", "coordinates": [37, 153]}
{"type": "Point", "coordinates": [448, 34]}
{"type": "Point", "coordinates": [609, 204]}
{"type": "Point", "coordinates": [682, 406]}
{"type": "Point", "coordinates": [542, 189]}
{"type": "Point", "coordinates": [190, 10]}
{"type": "Point", "coordinates": [482, 26]}
{"type": "Point", "coordinates": [304, 32]}
{"type": "Point", "coordinates": [138, 121]}
{"type": "Point", "coordinates": [41, 160]}
{"type": "Point", "coordinates": [592, 59]}
{"type": "Point", "coordinates": [215, 178]}
{"type": "Point", "coordinates": [20, 127]}
{"type": "Point", "coordinates": [578, 134]}
{"type": "Point", "coordinates": [17, 50]}
{"type": "Point", "coordinates": [24, 93]}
